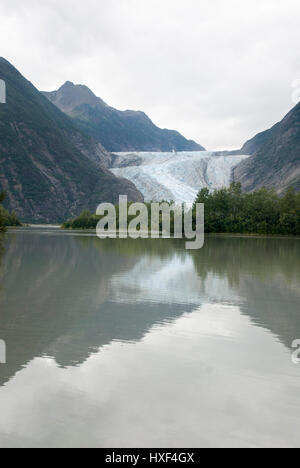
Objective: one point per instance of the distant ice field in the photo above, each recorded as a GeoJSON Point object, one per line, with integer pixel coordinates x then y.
{"type": "Point", "coordinates": [175, 176]}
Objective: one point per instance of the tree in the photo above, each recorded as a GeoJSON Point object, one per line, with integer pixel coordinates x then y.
{"type": "Point", "coordinates": [7, 219]}
{"type": "Point", "coordinates": [262, 212]}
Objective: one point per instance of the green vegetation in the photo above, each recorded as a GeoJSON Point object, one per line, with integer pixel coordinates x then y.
{"type": "Point", "coordinates": [229, 210]}
{"type": "Point", "coordinates": [87, 220]}
{"type": "Point", "coordinates": [6, 218]}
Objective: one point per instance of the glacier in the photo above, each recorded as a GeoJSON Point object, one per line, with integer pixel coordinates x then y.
{"type": "Point", "coordinates": [175, 176]}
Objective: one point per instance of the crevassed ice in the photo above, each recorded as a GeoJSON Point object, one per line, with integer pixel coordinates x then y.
{"type": "Point", "coordinates": [175, 176]}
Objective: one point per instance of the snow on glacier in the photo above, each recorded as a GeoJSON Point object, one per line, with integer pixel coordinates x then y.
{"type": "Point", "coordinates": [175, 176]}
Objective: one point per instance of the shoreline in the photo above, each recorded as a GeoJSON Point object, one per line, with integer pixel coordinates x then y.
{"type": "Point", "coordinates": [93, 231]}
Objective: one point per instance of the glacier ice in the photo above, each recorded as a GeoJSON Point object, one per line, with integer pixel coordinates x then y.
{"type": "Point", "coordinates": [175, 176]}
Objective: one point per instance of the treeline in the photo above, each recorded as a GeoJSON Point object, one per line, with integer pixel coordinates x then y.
{"type": "Point", "coordinates": [229, 210]}
{"type": "Point", "coordinates": [87, 220]}
{"type": "Point", "coordinates": [6, 218]}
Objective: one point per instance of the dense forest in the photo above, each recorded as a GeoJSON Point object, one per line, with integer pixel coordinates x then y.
{"type": "Point", "coordinates": [229, 210]}
{"type": "Point", "coordinates": [6, 218]}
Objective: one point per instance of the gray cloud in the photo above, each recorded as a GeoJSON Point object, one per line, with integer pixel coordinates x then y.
{"type": "Point", "coordinates": [217, 71]}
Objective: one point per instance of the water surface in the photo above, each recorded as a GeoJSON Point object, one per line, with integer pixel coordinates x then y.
{"type": "Point", "coordinates": [123, 343]}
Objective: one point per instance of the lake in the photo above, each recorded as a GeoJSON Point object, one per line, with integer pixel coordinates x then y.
{"type": "Point", "coordinates": [123, 343]}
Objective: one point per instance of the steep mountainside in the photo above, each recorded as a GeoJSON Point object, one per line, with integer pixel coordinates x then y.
{"type": "Point", "coordinates": [117, 130]}
{"type": "Point", "coordinates": [277, 162]}
{"type": "Point", "coordinates": [257, 142]}
{"type": "Point", "coordinates": [49, 168]}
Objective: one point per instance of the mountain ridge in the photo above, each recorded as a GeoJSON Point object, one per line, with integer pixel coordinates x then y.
{"type": "Point", "coordinates": [118, 130]}
{"type": "Point", "coordinates": [49, 168]}
{"type": "Point", "coordinates": [275, 162]}
{"type": "Point", "coordinates": [259, 140]}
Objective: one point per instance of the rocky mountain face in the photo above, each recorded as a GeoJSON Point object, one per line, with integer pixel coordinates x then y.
{"type": "Point", "coordinates": [275, 160]}
{"type": "Point", "coordinates": [49, 168]}
{"type": "Point", "coordinates": [257, 142]}
{"type": "Point", "coordinates": [117, 130]}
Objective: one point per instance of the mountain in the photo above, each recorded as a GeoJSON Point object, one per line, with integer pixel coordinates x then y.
{"type": "Point", "coordinates": [257, 142]}
{"type": "Point", "coordinates": [117, 130]}
{"type": "Point", "coordinates": [49, 168]}
{"type": "Point", "coordinates": [275, 161]}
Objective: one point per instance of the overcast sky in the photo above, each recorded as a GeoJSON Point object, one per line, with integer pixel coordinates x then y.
{"type": "Point", "coordinates": [218, 71]}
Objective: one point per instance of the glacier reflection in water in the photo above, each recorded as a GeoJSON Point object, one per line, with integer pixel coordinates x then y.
{"type": "Point", "coordinates": [143, 344]}
{"type": "Point", "coordinates": [175, 176]}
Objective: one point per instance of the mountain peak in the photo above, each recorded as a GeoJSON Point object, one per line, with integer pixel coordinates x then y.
{"type": "Point", "coordinates": [117, 130]}
{"type": "Point", "coordinates": [70, 96]}
{"type": "Point", "coordinates": [57, 170]}
{"type": "Point", "coordinates": [67, 84]}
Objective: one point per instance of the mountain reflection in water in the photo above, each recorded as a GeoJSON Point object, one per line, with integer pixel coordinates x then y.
{"type": "Point", "coordinates": [142, 343]}
{"type": "Point", "coordinates": [66, 296]}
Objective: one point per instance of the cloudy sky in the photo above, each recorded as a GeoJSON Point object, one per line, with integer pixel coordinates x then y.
{"type": "Point", "coordinates": [218, 71]}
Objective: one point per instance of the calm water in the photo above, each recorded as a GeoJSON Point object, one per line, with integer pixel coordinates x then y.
{"type": "Point", "coordinates": [142, 344]}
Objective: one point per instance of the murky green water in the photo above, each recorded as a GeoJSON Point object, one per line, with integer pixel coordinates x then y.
{"type": "Point", "coordinates": [143, 344]}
